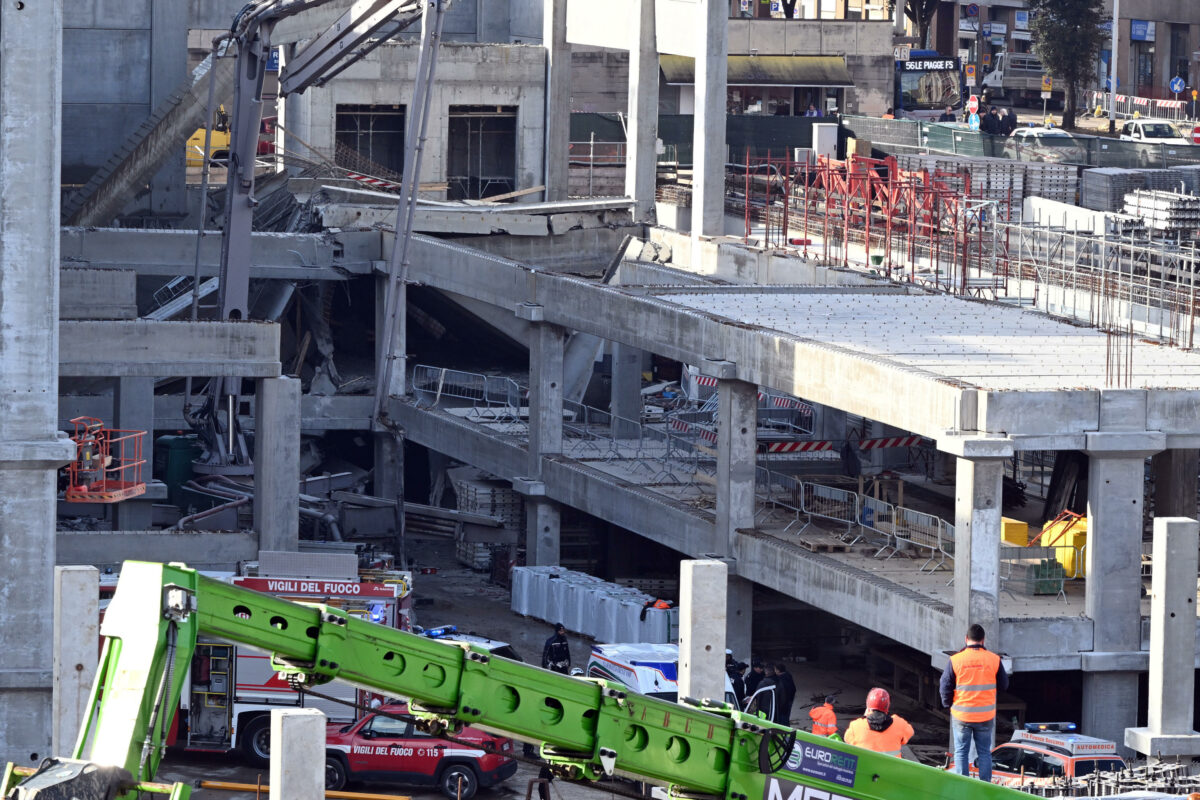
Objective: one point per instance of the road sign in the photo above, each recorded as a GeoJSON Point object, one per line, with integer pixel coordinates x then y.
{"type": "Point", "coordinates": [1196, 135]}
{"type": "Point", "coordinates": [1047, 83]}
{"type": "Point", "coordinates": [987, 59]}
{"type": "Point", "coordinates": [973, 104]}
{"type": "Point", "coordinates": [1176, 85]}
{"type": "Point", "coordinates": [970, 74]}
{"type": "Point", "coordinates": [987, 29]}
{"type": "Point", "coordinates": [972, 9]}
{"type": "Point", "coordinates": [973, 122]}
{"type": "Point", "coordinates": [1046, 95]}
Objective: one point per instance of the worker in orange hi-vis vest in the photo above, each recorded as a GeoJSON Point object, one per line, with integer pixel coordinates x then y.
{"type": "Point", "coordinates": [824, 719]}
{"type": "Point", "coordinates": [877, 730]}
{"type": "Point", "coordinates": [968, 688]}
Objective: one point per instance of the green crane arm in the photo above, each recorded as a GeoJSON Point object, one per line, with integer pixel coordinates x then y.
{"type": "Point", "coordinates": [588, 728]}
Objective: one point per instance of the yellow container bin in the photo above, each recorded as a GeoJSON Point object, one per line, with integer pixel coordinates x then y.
{"type": "Point", "coordinates": [1068, 537]}
{"type": "Point", "coordinates": [1014, 531]}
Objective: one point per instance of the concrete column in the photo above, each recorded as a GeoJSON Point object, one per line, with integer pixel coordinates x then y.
{"type": "Point", "coordinates": [702, 629]}
{"type": "Point", "coordinates": [558, 97]}
{"type": "Point", "coordinates": [30, 452]}
{"type": "Point", "coordinates": [168, 69]}
{"type": "Point", "coordinates": [642, 127]}
{"type": "Point", "coordinates": [626, 394]}
{"type": "Point", "coordinates": [277, 463]}
{"type": "Point", "coordinates": [542, 516]}
{"type": "Point", "coordinates": [133, 409]}
{"type": "Point", "coordinates": [1116, 480]}
{"type": "Point", "coordinates": [398, 386]}
{"type": "Point", "coordinates": [977, 509]}
{"type": "Point", "coordinates": [737, 437]}
{"type": "Point", "coordinates": [298, 754]}
{"type": "Point", "coordinates": [1175, 479]}
{"type": "Point", "coordinates": [708, 142]}
{"type": "Point", "coordinates": [1172, 622]}
{"type": "Point", "coordinates": [76, 631]}
{"type": "Point", "coordinates": [543, 533]}
{"type": "Point", "coordinates": [545, 394]}
{"type": "Point", "coordinates": [387, 466]}
{"type": "Point", "coordinates": [739, 616]}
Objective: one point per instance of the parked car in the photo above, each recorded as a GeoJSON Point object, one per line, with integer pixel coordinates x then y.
{"type": "Point", "coordinates": [1052, 145]}
{"type": "Point", "coordinates": [1152, 131]}
{"type": "Point", "coordinates": [1045, 752]}
{"type": "Point", "coordinates": [450, 633]}
{"type": "Point", "coordinates": [380, 748]}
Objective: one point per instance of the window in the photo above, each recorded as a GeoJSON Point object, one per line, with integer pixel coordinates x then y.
{"type": "Point", "coordinates": [1051, 767]}
{"type": "Point", "coordinates": [1007, 758]}
{"type": "Point", "coordinates": [370, 139]}
{"type": "Point", "coordinates": [388, 728]}
{"type": "Point", "coordinates": [929, 90]}
{"type": "Point", "coordinates": [1088, 766]}
{"type": "Point", "coordinates": [482, 158]}
{"type": "Point", "coordinates": [1180, 52]}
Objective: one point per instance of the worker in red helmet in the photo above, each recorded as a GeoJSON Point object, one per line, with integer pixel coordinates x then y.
{"type": "Point", "coordinates": [878, 730]}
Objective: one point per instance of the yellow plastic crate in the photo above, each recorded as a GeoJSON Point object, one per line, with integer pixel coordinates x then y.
{"type": "Point", "coordinates": [1014, 531]}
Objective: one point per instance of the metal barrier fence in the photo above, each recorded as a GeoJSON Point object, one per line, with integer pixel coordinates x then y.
{"type": "Point", "coordinates": [492, 398]}
{"type": "Point", "coordinates": [1127, 105]}
{"type": "Point", "coordinates": [922, 531]}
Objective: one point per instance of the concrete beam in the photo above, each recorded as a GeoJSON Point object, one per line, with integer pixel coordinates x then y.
{"type": "Point", "coordinates": [97, 294]}
{"type": "Point", "coordinates": [318, 413]}
{"type": "Point", "coordinates": [144, 348]}
{"type": "Point", "coordinates": [208, 549]}
{"type": "Point", "coordinates": [169, 253]}
{"type": "Point", "coordinates": [903, 397]}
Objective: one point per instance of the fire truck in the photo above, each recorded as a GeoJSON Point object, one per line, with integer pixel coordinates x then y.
{"type": "Point", "coordinates": [230, 690]}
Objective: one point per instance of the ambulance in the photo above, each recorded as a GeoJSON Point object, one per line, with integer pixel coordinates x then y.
{"type": "Point", "coordinates": [1048, 751]}
{"type": "Point", "coordinates": [649, 669]}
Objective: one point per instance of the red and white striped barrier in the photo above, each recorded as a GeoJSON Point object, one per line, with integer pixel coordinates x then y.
{"type": "Point", "coordinates": [378, 183]}
{"type": "Point", "coordinates": [864, 444]}
{"type": "Point", "coordinates": [776, 400]}
{"type": "Point", "coordinates": [687, 427]}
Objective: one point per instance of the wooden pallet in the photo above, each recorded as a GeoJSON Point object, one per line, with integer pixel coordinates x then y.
{"type": "Point", "coordinates": [823, 546]}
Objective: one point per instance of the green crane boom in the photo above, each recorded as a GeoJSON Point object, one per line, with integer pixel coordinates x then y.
{"type": "Point", "coordinates": [587, 728]}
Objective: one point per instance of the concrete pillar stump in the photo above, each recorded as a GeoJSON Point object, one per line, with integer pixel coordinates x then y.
{"type": "Point", "coordinates": [298, 754]}
{"type": "Point", "coordinates": [702, 629]}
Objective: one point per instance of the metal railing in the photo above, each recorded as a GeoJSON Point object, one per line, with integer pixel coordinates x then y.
{"type": "Point", "coordinates": [1127, 105]}
{"type": "Point", "coordinates": [491, 398]}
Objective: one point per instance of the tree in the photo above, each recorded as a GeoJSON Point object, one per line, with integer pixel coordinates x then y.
{"type": "Point", "coordinates": [920, 13]}
{"type": "Point", "coordinates": [1067, 38]}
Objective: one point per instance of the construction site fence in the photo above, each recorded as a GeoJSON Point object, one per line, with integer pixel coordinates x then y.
{"type": "Point", "coordinates": [902, 136]}
{"type": "Point", "coordinates": [1129, 105]}
{"type": "Point", "coordinates": [492, 398]}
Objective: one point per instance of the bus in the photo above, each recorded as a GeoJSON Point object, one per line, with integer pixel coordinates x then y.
{"type": "Point", "coordinates": [926, 83]}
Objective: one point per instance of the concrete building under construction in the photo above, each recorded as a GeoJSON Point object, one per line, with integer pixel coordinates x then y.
{"type": "Point", "coordinates": [844, 382]}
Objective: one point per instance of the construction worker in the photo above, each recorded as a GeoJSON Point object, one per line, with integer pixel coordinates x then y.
{"type": "Point", "coordinates": [877, 730]}
{"type": "Point", "coordinates": [968, 688]}
{"type": "Point", "coordinates": [824, 719]}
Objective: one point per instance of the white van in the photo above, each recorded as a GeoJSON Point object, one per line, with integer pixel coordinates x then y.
{"type": "Point", "coordinates": [649, 669]}
{"type": "Point", "coordinates": [1152, 131]}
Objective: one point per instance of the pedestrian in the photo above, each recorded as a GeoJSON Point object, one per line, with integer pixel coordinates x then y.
{"type": "Point", "coordinates": [824, 719]}
{"type": "Point", "coordinates": [891, 114]}
{"type": "Point", "coordinates": [787, 694]}
{"type": "Point", "coordinates": [556, 655]}
{"type": "Point", "coordinates": [1008, 123]}
{"type": "Point", "coordinates": [990, 122]}
{"type": "Point", "coordinates": [947, 115]}
{"type": "Point", "coordinates": [734, 669]}
{"type": "Point", "coordinates": [877, 729]}
{"type": "Point", "coordinates": [756, 674]}
{"type": "Point", "coordinates": [968, 688]}
{"type": "Point", "coordinates": [813, 111]}
{"type": "Point", "coordinates": [764, 701]}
